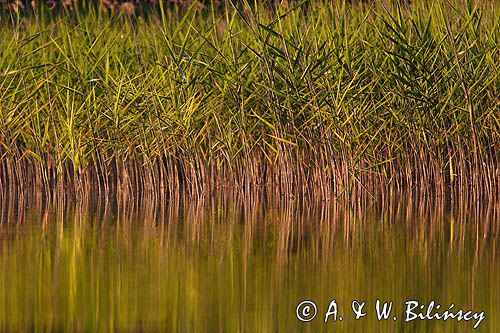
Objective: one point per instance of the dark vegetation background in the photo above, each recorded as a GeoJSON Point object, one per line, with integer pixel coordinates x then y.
{"type": "Point", "coordinates": [132, 7]}
{"type": "Point", "coordinates": [129, 7]}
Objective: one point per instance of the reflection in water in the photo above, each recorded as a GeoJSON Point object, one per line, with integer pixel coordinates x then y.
{"type": "Point", "coordinates": [230, 266]}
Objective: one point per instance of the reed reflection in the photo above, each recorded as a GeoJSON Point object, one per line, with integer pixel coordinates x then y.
{"type": "Point", "coordinates": [227, 265]}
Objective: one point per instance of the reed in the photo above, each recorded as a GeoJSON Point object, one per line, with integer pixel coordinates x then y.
{"type": "Point", "coordinates": [307, 101]}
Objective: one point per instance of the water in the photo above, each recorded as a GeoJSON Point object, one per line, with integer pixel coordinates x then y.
{"type": "Point", "coordinates": [244, 267]}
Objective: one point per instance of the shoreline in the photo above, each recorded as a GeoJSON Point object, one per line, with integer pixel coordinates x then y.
{"type": "Point", "coordinates": [293, 179]}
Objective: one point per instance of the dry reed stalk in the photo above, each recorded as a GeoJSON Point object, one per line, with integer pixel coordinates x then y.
{"type": "Point", "coordinates": [293, 178]}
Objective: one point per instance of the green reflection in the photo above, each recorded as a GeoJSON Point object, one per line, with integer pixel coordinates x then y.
{"type": "Point", "coordinates": [243, 267]}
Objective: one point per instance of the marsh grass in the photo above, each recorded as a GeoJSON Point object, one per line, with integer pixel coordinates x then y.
{"type": "Point", "coordinates": [312, 101]}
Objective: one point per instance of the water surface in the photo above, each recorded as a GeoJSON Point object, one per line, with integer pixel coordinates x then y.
{"type": "Point", "coordinates": [244, 267]}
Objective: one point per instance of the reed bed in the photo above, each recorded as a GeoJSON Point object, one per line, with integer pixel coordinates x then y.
{"type": "Point", "coordinates": [309, 100]}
